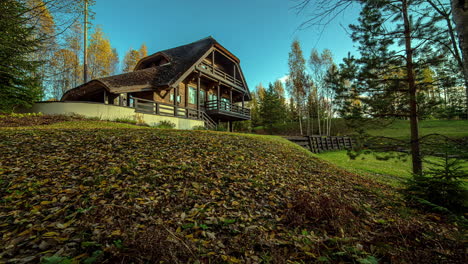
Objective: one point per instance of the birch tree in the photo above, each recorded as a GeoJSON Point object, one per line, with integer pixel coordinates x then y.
{"type": "Point", "coordinates": [298, 79]}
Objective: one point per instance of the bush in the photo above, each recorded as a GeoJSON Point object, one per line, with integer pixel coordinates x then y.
{"type": "Point", "coordinates": [199, 128]}
{"type": "Point", "coordinates": [126, 120]}
{"type": "Point", "coordinates": [440, 186]}
{"type": "Point", "coordinates": [165, 124]}
{"type": "Point", "coordinates": [21, 115]}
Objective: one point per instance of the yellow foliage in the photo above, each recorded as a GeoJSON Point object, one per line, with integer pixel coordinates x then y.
{"type": "Point", "coordinates": [101, 57]}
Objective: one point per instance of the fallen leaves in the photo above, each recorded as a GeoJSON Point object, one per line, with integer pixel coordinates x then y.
{"type": "Point", "coordinates": [184, 196]}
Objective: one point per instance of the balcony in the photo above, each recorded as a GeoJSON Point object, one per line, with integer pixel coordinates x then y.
{"type": "Point", "coordinates": [226, 111]}
{"type": "Point", "coordinates": [217, 73]}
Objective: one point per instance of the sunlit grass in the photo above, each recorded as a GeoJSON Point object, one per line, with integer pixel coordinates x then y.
{"type": "Point", "coordinates": [401, 128]}
{"type": "Point", "coordinates": [393, 171]}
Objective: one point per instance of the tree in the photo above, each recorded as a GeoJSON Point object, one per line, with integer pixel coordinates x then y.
{"type": "Point", "coordinates": [460, 17]}
{"type": "Point", "coordinates": [101, 57]}
{"type": "Point", "coordinates": [320, 65]}
{"type": "Point", "coordinates": [63, 63]}
{"type": "Point", "coordinates": [130, 60]}
{"type": "Point", "coordinates": [19, 77]}
{"type": "Point", "coordinates": [254, 104]}
{"type": "Point", "coordinates": [272, 109]}
{"type": "Point", "coordinates": [132, 57]}
{"type": "Point", "coordinates": [143, 51]}
{"type": "Point", "coordinates": [298, 79]}
{"type": "Point", "coordinates": [73, 42]}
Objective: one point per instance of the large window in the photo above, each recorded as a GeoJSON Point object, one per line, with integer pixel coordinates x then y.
{"type": "Point", "coordinates": [193, 96]}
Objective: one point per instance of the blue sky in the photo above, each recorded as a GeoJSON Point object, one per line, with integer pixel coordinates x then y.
{"type": "Point", "coordinates": [259, 32]}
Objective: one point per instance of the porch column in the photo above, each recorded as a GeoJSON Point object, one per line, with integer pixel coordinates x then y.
{"type": "Point", "coordinates": [219, 95]}
{"type": "Point", "coordinates": [234, 74]}
{"type": "Point", "coordinates": [243, 96]}
{"type": "Point", "coordinates": [175, 101]}
{"type": "Point", "coordinates": [106, 100]}
{"type": "Point", "coordinates": [198, 96]}
{"type": "Point", "coordinates": [230, 95]}
{"type": "Point", "coordinates": [213, 62]}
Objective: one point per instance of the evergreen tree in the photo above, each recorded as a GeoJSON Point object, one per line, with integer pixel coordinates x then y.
{"type": "Point", "coordinates": [19, 78]}
{"type": "Point", "coordinates": [394, 54]}
{"type": "Point", "coordinates": [272, 109]}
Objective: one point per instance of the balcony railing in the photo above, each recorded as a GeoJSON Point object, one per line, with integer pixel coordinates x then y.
{"type": "Point", "coordinates": [220, 73]}
{"type": "Point", "coordinates": [227, 107]}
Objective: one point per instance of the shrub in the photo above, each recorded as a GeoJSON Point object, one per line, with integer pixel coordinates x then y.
{"type": "Point", "coordinates": [165, 124]}
{"type": "Point", "coordinates": [199, 128]}
{"type": "Point", "coordinates": [126, 120]}
{"type": "Point", "coordinates": [440, 186]}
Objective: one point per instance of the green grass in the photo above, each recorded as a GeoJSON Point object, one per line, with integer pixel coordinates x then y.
{"type": "Point", "coordinates": [392, 171]}
{"type": "Point", "coordinates": [389, 171]}
{"type": "Point", "coordinates": [401, 128]}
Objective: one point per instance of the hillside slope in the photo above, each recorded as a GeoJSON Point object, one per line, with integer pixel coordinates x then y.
{"type": "Point", "coordinates": [149, 195]}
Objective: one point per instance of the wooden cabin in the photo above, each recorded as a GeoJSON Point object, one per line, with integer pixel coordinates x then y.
{"type": "Point", "coordinates": [201, 80]}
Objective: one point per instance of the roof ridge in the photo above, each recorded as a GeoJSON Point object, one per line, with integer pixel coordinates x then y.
{"type": "Point", "coordinates": [206, 38]}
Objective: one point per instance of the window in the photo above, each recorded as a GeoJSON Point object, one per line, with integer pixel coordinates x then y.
{"type": "Point", "coordinates": [202, 97]}
{"type": "Point", "coordinates": [192, 95]}
{"type": "Point", "coordinates": [212, 97]}
{"type": "Point", "coordinates": [172, 98]}
{"type": "Point", "coordinates": [225, 104]}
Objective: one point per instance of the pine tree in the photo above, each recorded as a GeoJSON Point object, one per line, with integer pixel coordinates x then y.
{"type": "Point", "coordinates": [19, 78]}
{"type": "Point", "coordinates": [272, 108]}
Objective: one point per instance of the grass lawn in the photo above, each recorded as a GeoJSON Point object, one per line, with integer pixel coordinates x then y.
{"type": "Point", "coordinates": [96, 192]}
{"type": "Point", "coordinates": [390, 171]}
{"type": "Point", "coordinates": [401, 128]}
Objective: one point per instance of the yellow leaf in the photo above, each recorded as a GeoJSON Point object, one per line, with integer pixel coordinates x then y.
{"type": "Point", "coordinates": [51, 234]}
{"type": "Point", "coordinates": [116, 232]}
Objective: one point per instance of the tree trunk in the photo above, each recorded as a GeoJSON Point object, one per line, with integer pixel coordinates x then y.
{"type": "Point", "coordinates": [415, 151]}
{"type": "Point", "coordinates": [460, 17]}
{"type": "Point", "coordinates": [318, 115]}
{"type": "Point", "coordinates": [300, 118]}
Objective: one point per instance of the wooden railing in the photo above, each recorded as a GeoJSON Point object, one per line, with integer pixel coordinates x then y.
{"type": "Point", "coordinates": [218, 72]}
{"type": "Point", "coordinates": [228, 107]}
{"type": "Point", "coordinates": [163, 109]}
{"type": "Point", "coordinates": [319, 144]}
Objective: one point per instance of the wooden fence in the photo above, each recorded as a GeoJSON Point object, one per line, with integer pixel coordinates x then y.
{"type": "Point", "coordinates": [318, 144]}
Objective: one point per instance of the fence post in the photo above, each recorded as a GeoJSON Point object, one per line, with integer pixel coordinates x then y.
{"type": "Point", "coordinates": [310, 144]}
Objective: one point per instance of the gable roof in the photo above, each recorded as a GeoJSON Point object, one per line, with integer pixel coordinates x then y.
{"type": "Point", "coordinates": [146, 77]}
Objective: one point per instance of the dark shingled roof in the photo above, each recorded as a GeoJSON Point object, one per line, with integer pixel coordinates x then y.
{"type": "Point", "coordinates": [181, 59]}
{"type": "Point", "coordinates": [147, 77]}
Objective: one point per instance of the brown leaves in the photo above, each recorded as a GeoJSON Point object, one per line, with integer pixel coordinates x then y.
{"type": "Point", "coordinates": [182, 196]}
